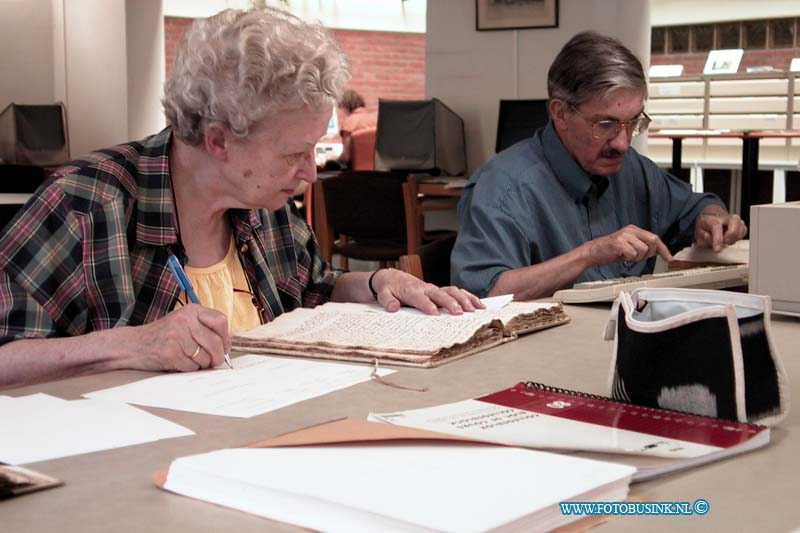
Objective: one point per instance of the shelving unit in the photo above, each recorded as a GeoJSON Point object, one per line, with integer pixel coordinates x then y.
{"type": "Point", "coordinates": [749, 101]}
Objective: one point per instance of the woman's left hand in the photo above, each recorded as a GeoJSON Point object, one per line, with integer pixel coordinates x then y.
{"type": "Point", "coordinates": [396, 288]}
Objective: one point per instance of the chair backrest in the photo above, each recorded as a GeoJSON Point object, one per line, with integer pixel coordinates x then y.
{"type": "Point", "coordinates": [362, 149]}
{"type": "Point", "coordinates": [416, 205]}
{"type": "Point", "coordinates": [366, 205]}
{"type": "Point", "coordinates": [411, 264]}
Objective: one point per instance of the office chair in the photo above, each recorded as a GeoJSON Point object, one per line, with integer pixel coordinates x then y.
{"type": "Point", "coordinates": [367, 210]}
{"type": "Point", "coordinates": [362, 149]}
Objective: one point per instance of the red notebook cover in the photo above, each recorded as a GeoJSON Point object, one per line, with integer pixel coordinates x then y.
{"type": "Point", "coordinates": [581, 407]}
{"type": "Point", "coordinates": [655, 441]}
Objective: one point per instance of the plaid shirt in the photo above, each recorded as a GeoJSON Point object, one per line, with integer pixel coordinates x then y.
{"type": "Point", "coordinates": [89, 251]}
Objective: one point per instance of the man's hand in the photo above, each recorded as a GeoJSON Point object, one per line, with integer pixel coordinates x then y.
{"type": "Point", "coordinates": [187, 339]}
{"type": "Point", "coordinates": [396, 288]}
{"type": "Point", "coordinates": [714, 228]}
{"type": "Point", "coordinates": [631, 243]}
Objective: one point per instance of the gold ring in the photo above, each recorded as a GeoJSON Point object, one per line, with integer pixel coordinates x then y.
{"type": "Point", "coordinates": [196, 352]}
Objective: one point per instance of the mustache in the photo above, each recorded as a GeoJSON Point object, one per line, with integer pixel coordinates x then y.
{"type": "Point", "coordinates": [611, 152]}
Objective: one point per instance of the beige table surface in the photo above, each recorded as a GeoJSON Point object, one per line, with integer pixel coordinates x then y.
{"type": "Point", "coordinates": [112, 490]}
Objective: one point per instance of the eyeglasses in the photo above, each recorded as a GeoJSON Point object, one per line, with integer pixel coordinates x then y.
{"type": "Point", "coordinates": [606, 130]}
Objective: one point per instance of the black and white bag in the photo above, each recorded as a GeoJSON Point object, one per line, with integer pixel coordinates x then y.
{"type": "Point", "coordinates": [699, 351]}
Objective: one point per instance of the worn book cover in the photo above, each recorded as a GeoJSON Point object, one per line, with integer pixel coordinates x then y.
{"type": "Point", "coordinates": [366, 332]}
{"type": "Point", "coordinates": [16, 480]}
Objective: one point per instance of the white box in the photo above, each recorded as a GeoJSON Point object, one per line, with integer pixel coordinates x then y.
{"type": "Point", "coordinates": [775, 255]}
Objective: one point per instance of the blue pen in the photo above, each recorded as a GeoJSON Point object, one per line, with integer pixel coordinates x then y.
{"type": "Point", "coordinates": [180, 276]}
{"type": "Point", "coordinates": [183, 282]}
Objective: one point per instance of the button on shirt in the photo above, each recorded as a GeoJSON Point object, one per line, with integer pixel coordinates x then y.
{"type": "Point", "coordinates": [533, 202]}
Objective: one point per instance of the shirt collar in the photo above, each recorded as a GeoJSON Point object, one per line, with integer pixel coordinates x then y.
{"type": "Point", "coordinates": [245, 221]}
{"type": "Point", "coordinates": [155, 217]}
{"type": "Point", "coordinates": [578, 184]}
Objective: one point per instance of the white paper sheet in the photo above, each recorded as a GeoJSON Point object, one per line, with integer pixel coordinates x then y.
{"type": "Point", "coordinates": [493, 304]}
{"type": "Point", "coordinates": [47, 427]}
{"type": "Point", "coordinates": [257, 384]}
{"type": "Point", "coordinates": [398, 487]}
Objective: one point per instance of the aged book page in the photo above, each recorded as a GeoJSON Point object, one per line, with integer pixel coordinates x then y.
{"type": "Point", "coordinates": [365, 332]}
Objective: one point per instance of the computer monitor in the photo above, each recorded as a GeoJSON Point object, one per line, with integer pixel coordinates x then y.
{"type": "Point", "coordinates": [333, 125]}
{"type": "Point", "coordinates": [421, 136]}
{"type": "Point", "coordinates": [34, 135]}
{"type": "Point", "coordinates": [330, 146]}
{"type": "Point", "coordinates": [519, 119]}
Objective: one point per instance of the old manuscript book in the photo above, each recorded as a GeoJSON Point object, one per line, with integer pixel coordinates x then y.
{"type": "Point", "coordinates": [366, 333]}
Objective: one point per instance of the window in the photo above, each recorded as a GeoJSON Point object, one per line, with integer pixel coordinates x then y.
{"type": "Point", "coordinates": [678, 39]}
{"type": "Point", "coordinates": [657, 44]}
{"type": "Point", "coordinates": [748, 34]}
{"type": "Point", "coordinates": [702, 37]}
{"type": "Point", "coordinates": [728, 36]}
{"type": "Point", "coordinates": [755, 34]}
{"type": "Point", "coordinates": [781, 33]}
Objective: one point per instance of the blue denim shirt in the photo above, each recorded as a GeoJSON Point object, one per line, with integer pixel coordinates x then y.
{"type": "Point", "coordinates": [533, 202]}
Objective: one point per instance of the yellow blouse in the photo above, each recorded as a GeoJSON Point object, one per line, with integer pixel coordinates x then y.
{"type": "Point", "coordinates": [215, 286]}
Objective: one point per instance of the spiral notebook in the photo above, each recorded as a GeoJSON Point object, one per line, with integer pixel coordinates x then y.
{"type": "Point", "coordinates": [533, 415]}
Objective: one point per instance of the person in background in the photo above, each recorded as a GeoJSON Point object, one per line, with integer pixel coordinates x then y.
{"type": "Point", "coordinates": [84, 282]}
{"type": "Point", "coordinates": [575, 202]}
{"type": "Point", "coordinates": [355, 117]}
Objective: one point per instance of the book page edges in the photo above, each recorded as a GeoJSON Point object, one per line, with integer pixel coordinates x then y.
{"type": "Point", "coordinates": [408, 360]}
{"type": "Point", "coordinates": [491, 334]}
{"type": "Point", "coordinates": [485, 335]}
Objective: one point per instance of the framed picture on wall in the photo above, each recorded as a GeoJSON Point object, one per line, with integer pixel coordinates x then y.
{"type": "Point", "coordinates": [491, 15]}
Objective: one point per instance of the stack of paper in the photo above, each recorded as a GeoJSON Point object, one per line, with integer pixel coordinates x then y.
{"type": "Point", "coordinates": [737, 253]}
{"type": "Point", "coordinates": [418, 486]}
{"type": "Point", "coordinates": [49, 427]}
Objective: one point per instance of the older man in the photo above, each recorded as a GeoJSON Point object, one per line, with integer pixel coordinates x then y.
{"type": "Point", "coordinates": [84, 283]}
{"type": "Point", "coordinates": [575, 202]}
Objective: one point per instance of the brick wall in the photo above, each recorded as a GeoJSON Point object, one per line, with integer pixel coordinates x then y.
{"type": "Point", "coordinates": [385, 64]}
{"type": "Point", "coordinates": [693, 63]}
{"type": "Point", "coordinates": [174, 27]}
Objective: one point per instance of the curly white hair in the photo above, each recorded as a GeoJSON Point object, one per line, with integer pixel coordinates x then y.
{"type": "Point", "coordinates": [238, 67]}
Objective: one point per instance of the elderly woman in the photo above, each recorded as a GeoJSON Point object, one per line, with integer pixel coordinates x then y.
{"type": "Point", "coordinates": [85, 285]}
